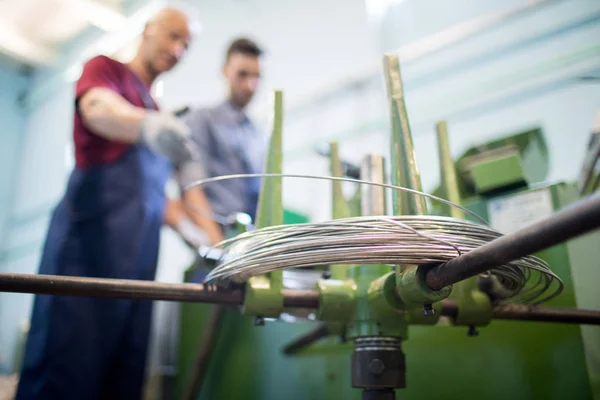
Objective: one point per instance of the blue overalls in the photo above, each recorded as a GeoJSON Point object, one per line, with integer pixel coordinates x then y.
{"type": "Point", "coordinates": [107, 225]}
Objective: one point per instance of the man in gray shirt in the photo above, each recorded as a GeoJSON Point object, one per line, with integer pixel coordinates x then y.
{"type": "Point", "coordinates": [228, 143]}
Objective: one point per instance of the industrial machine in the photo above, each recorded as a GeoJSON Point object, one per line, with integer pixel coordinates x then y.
{"type": "Point", "coordinates": [459, 319]}
{"type": "Point", "coordinates": [499, 180]}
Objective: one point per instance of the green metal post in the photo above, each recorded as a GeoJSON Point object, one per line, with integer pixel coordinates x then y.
{"type": "Point", "coordinates": [339, 205]}
{"type": "Point", "coordinates": [340, 208]}
{"type": "Point", "coordinates": [264, 294]}
{"type": "Point", "coordinates": [375, 313]}
{"type": "Point", "coordinates": [405, 173]}
{"type": "Point", "coordinates": [475, 306]}
{"type": "Point", "coordinates": [404, 163]}
{"type": "Point", "coordinates": [447, 170]}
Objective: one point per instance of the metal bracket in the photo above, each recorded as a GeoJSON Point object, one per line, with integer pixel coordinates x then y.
{"type": "Point", "coordinates": [263, 298]}
{"type": "Point", "coordinates": [475, 307]}
{"type": "Point", "coordinates": [336, 300]}
{"type": "Point", "coordinates": [412, 289]}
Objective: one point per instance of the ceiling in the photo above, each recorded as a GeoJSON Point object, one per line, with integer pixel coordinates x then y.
{"type": "Point", "coordinates": [32, 32]}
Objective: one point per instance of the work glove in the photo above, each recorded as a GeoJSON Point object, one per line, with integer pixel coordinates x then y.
{"type": "Point", "coordinates": [164, 134]}
{"type": "Point", "coordinates": [192, 234]}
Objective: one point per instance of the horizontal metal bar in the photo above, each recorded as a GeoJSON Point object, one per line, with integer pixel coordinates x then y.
{"type": "Point", "coordinates": [117, 288]}
{"type": "Point", "coordinates": [134, 289]}
{"type": "Point", "coordinates": [193, 292]}
{"type": "Point", "coordinates": [577, 219]}
{"type": "Point", "coordinates": [306, 340]}
{"type": "Point", "coordinates": [524, 312]}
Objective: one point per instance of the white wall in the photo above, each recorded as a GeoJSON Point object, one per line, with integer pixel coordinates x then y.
{"type": "Point", "coordinates": [519, 74]}
{"type": "Point", "coordinates": [13, 83]}
{"type": "Point", "coordinates": [306, 47]}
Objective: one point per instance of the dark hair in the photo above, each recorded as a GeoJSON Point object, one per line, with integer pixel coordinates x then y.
{"type": "Point", "coordinates": [243, 46]}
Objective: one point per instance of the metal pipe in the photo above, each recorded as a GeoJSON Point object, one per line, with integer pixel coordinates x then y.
{"type": "Point", "coordinates": [205, 351]}
{"type": "Point", "coordinates": [524, 312]}
{"type": "Point", "coordinates": [133, 289]}
{"type": "Point", "coordinates": [340, 207]}
{"type": "Point", "coordinates": [117, 288]}
{"type": "Point", "coordinates": [577, 219]}
{"type": "Point", "coordinates": [192, 292]}
{"type": "Point", "coordinates": [306, 340]}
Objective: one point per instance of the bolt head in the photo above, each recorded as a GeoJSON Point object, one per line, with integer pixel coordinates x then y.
{"type": "Point", "coordinates": [376, 366]}
{"type": "Point", "coordinates": [472, 331]}
{"type": "Point", "coordinates": [428, 310]}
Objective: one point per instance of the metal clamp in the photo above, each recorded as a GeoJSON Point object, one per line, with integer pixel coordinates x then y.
{"type": "Point", "coordinates": [412, 289]}
{"type": "Point", "coordinates": [336, 300]}
{"type": "Point", "coordinates": [263, 298]}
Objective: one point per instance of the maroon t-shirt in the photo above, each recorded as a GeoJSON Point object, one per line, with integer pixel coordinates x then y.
{"type": "Point", "coordinates": [104, 72]}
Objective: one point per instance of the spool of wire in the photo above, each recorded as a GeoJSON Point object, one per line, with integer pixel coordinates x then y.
{"type": "Point", "coordinates": [393, 240]}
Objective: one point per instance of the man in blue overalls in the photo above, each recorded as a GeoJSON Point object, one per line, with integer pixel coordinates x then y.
{"type": "Point", "coordinates": [107, 224]}
{"type": "Point", "coordinates": [227, 140]}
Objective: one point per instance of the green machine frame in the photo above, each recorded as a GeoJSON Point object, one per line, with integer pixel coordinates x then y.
{"type": "Point", "coordinates": [366, 307]}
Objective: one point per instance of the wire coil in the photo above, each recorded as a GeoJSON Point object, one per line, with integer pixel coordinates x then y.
{"type": "Point", "coordinates": [393, 240]}
{"type": "Point", "coordinates": [380, 240]}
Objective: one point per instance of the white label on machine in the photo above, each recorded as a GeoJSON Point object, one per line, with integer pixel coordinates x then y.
{"type": "Point", "coordinates": [513, 213]}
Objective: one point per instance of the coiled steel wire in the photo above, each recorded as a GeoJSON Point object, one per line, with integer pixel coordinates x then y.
{"type": "Point", "coordinates": [393, 240]}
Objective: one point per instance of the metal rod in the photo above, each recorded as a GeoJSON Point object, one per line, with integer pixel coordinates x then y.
{"type": "Point", "coordinates": [192, 292]}
{"type": "Point", "coordinates": [133, 289]}
{"type": "Point", "coordinates": [577, 219]}
{"type": "Point", "coordinates": [372, 198]}
{"type": "Point", "coordinates": [205, 351]}
{"type": "Point", "coordinates": [524, 312]}
{"type": "Point", "coordinates": [306, 340]}
{"type": "Point", "coordinates": [117, 288]}
{"type": "Point", "coordinates": [340, 207]}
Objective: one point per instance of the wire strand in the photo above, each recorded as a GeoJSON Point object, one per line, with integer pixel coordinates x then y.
{"type": "Point", "coordinates": [380, 240]}
{"type": "Point", "coordinates": [217, 218]}
{"type": "Point", "coordinates": [393, 240]}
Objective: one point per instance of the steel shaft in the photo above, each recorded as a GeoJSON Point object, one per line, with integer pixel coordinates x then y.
{"type": "Point", "coordinates": [191, 292]}
{"type": "Point", "coordinates": [133, 289]}
{"type": "Point", "coordinates": [524, 312]}
{"type": "Point", "coordinates": [577, 219]}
